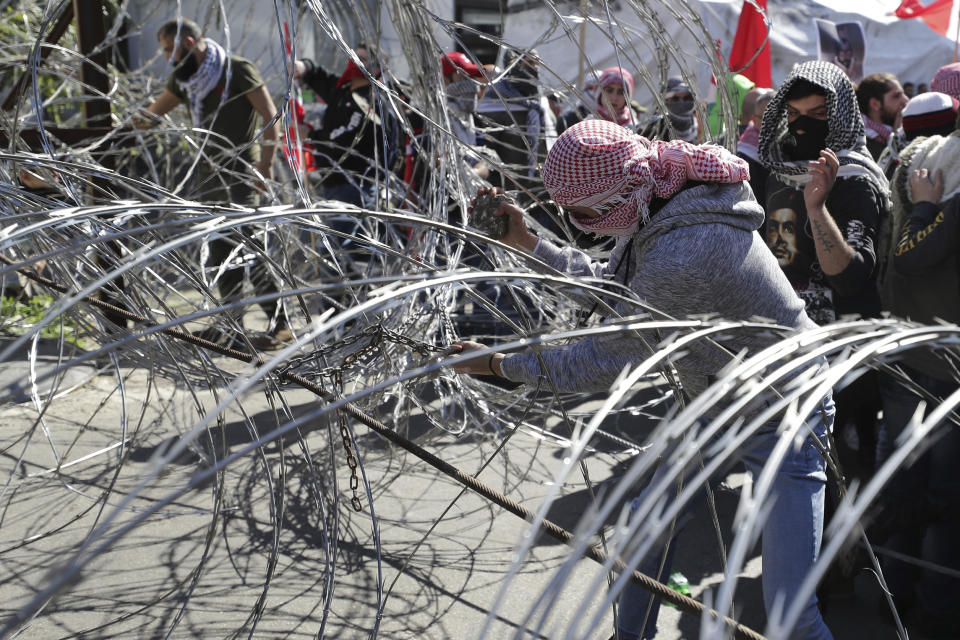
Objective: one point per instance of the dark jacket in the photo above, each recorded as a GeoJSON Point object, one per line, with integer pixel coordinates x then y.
{"type": "Point", "coordinates": [924, 278]}
{"type": "Point", "coordinates": [350, 138]}
{"type": "Point", "coordinates": [876, 146]}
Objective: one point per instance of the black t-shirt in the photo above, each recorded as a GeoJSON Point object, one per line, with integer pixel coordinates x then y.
{"type": "Point", "coordinates": [758, 178]}
{"type": "Point", "coordinates": [857, 206]}
{"type": "Point", "coordinates": [232, 116]}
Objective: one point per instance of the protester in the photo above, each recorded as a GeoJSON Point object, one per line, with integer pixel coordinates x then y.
{"type": "Point", "coordinates": [349, 146]}
{"type": "Point", "coordinates": [748, 106]}
{"type": "Point", "coordinates": [615, 96]}
{"type": "Point", "coordinates": [754, 104]}
{"type": "Point", "coordinates": [930, 114]}
{"type": "Point", "coordinates": [881, 100]}
{"type": "Point", "coordinates": [814, 118]}
{"type": "Point", "coordinates": [462, 80]}
{"type": "Point", "coordinates": [233, 113]}
{"type": "Point", "coordinates": [564, 115]}
{"type": "Point", "coordinates": [519, 127]}
{"type": "Point", "coordinates": [515, 120]}
{"type": "Point", "coordinates": [199, 79]}
{"type": "Point", "coordinates": [587, 103]}
{"type": "Point", "coordinates": [946, 80]}
{"type": "Point", "coordinates": [828, 248]}
{"type": "Point", "coordinates": [909, 90]}
{"type": "Point", "coordinates": [741, 100]}
{"type": "Point", "coordinates": [463, 83]}
{"type": "Point", "coordinates": [680, 122]}
{"type": "Point", "coordinates": [923, 284]}
{"type": "Point", "coordinates": [690, 248]}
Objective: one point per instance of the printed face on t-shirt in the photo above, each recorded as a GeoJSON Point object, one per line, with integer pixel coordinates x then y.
{"type": "Point", "coordinates": [782, 236]}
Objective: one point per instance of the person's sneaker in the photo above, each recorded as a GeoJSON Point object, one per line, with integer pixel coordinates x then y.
{"type": "Point", "coordinates": [218, 337]}
{"type": "Point", "coordinates": [281, 337]}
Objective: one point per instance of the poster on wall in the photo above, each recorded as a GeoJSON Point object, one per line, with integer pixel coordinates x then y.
{"type": "Point", "coordinates": [844, 44]}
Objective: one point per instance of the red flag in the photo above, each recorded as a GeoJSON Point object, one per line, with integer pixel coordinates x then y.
{"type": "Point", "coordinates": [751, 35]}
{"type": "Point", "coordinates": [937, 14]}
{"type": "Point", "coordinates": [299, 154]}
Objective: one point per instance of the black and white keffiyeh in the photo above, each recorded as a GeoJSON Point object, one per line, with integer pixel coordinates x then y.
{"type": "Point", "coordinates": [845, 133]}
{"type": "Point", "coordinates": [201, 83]}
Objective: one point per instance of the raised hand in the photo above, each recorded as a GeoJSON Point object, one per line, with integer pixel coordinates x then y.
{"type": "Point", "coordinates": [926, 186]}
{"type": "Point", "coordinates": [823, 174]}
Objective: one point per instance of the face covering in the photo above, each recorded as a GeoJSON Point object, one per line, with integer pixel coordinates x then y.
{"type": "Point", "coordinates": [186, 67]}
{"type": "Point", "coordinates": [526, 79]}
{"type": "Point", "coordinates": [809, 144]}
{"type": "Point", "coordinates": [681, 114]}
{"type": "Point", "coordinates": [462, 95]}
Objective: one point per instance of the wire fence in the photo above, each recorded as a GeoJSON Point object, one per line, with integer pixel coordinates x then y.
{"type": "Point", "coordinates": [154, 487]}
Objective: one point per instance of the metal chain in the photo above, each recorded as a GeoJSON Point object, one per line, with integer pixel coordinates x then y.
{"type": "Point", "coordinates": [348, 448]}
{"type": "Point", "coordinates": [378, 334]}
{"type": "Point", "coordinates": [295, 363]}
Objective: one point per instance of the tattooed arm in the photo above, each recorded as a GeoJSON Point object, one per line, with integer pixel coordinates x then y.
{"type": "Point", "coordinates": [833, 252]}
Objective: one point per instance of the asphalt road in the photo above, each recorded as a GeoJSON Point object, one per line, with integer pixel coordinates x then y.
{"type": "Point", "coordinates": [247, 553]}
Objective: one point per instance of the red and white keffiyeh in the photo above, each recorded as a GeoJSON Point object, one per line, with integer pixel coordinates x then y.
{"type": "Point", "coordinates": [876, 130]}
{"type": "Point", "coordinates": [947, 80]}
{"type": "Point", "coordinates": [601, 165]}
{"type": "Point", "coordinates": [615, 75]}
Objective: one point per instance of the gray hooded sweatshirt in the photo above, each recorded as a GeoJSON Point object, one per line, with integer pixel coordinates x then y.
{"type": "Point", "coordinates": [700, 254]}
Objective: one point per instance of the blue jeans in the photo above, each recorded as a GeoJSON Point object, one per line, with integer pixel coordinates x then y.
{"type": "Point", "coordinates": [791, 534]}
{"type": "Point", "coordinates": [351, 194]}
{"type": "Point", "coordinates": [922, 501]}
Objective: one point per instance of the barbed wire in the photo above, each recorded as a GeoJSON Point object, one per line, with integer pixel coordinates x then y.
{"type": "Point", "coordinates": [163, 474]}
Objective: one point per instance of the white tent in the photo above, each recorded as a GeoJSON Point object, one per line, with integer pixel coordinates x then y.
{"type": "Point", "coordinates": [907, 48]}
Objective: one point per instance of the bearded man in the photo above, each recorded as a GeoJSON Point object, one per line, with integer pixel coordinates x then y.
{"type": "Point", "coordinates": [881, 100]}
{"type": "Point", "coordinates": [227, 100]}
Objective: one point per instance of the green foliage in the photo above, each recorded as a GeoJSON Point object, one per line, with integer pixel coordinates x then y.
{"type": "Point", "coordinates": [20, 316]}
{"type": "Point", "coordinates": [19, 28]}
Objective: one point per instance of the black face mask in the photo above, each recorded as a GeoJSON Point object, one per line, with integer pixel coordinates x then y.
{"type": "Point", "coordinates": [809, 144]}
{"type": "Point", "coordinates": [526, 79]}
{"type": "Point", "coordinates": [681, 113]}
{"type": "Point", "coordinates": [462, 95]}
{"type": "Point", "coordinates": [186, 67]}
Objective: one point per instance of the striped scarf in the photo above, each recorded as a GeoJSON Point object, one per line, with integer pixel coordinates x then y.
{"type": "Point", "coordinates": [199, 85]}
{"type": "Point", "coordinates": [876, 130]}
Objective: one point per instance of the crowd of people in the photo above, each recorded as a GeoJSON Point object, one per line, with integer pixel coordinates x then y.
{"type": "Point", "coordinates": [839, 201]}
{"type": "Point", "coordinates": [820, 156]}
